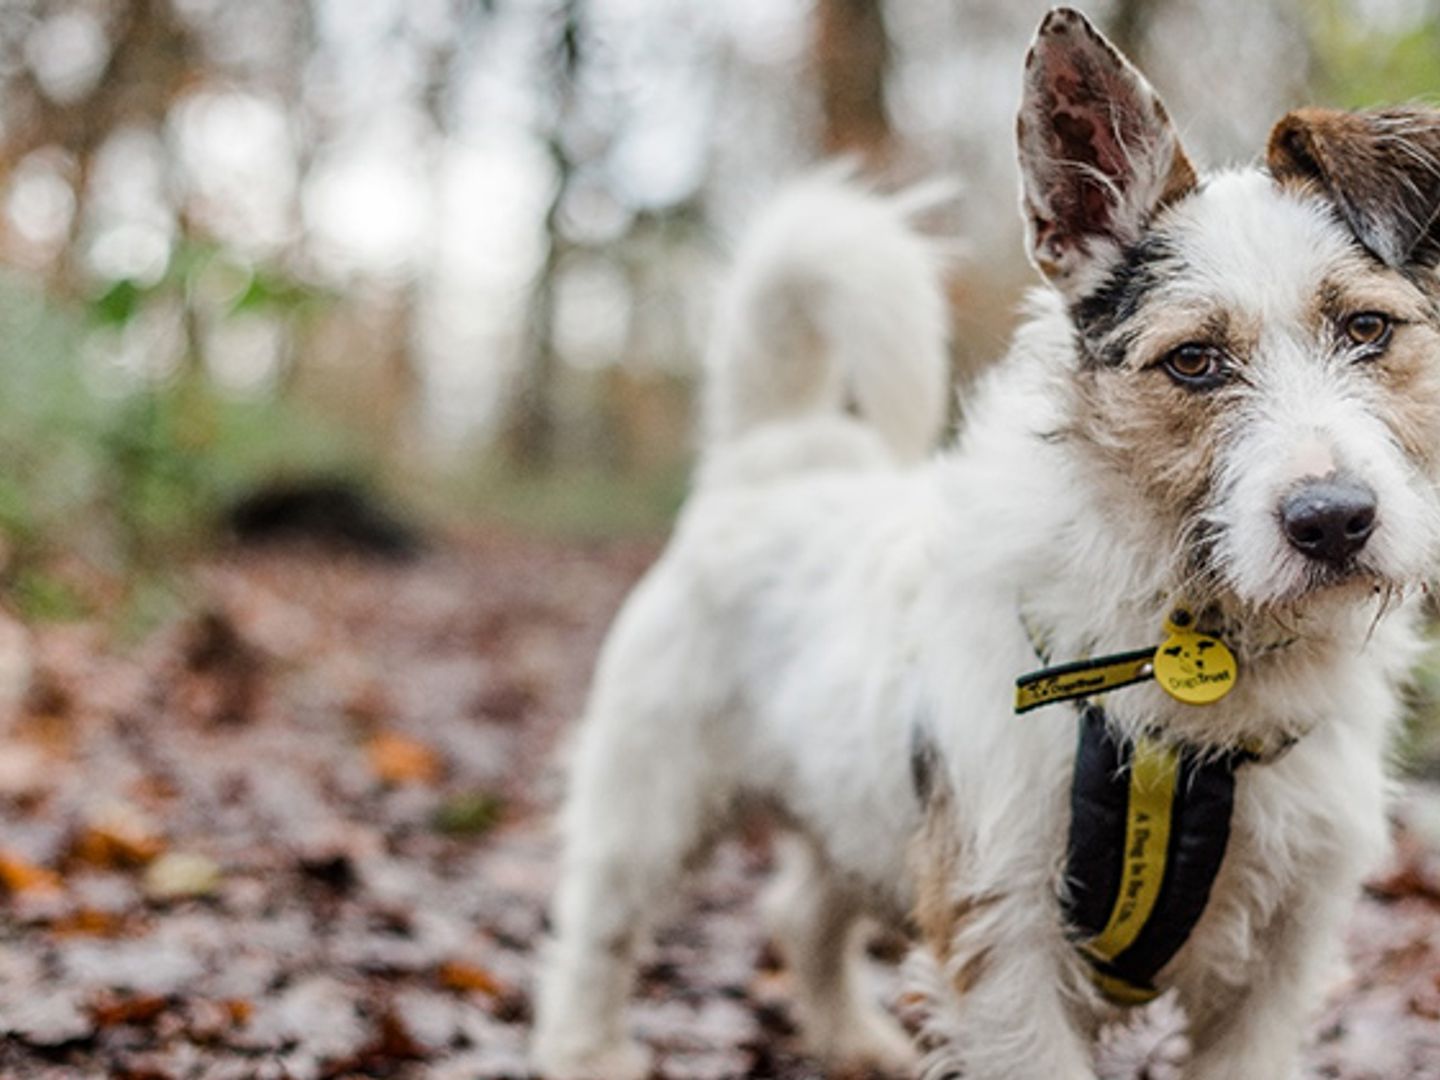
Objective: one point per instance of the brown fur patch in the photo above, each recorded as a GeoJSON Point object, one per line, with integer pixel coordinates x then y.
{"type": "Point", "coordinates": [1380, 167]}
{"type": "Point", "coordinates": [1182, 179]}
{"type": "Point", "coordinates": [1412, 381]}
{"type": "Point", "coordinates": [934, 871]}
{"type": "Point", "coordinates": [1174, 323]}
{"type": "Point", "coordinates": [1361, 286]}
{"type": "Point", "coordinates": [1407, 373]}
{"type": "Point", "coordinates": [1158, 442]}
{"type": "Point", "coordinates": [935, 857]}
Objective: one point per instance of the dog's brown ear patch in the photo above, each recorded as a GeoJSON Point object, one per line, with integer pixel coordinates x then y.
{"type": "Point", "coordinates": [1098, 153]}
{"type": "Point", "coordinates": [1381, 168]}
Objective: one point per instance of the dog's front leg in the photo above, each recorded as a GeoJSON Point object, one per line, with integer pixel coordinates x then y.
{"type": "Point", "coordinates": [1004, 1014]}
{"type": "Point", "coordinates": [1256, 1031]}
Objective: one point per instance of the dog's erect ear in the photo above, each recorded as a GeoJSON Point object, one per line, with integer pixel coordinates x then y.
{"type": "Point", "coordinates": [1098, 154]}
{"type": "Point", "coordinates": [1381, 168]}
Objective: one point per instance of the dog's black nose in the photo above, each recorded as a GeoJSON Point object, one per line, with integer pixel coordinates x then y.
{"type": "Point", "coordinates": [1329, 519]}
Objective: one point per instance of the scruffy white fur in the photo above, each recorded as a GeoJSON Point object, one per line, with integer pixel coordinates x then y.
{"type": "Point", "coordinates": [722, 669]}
{"type": "Point", "coordinates": [824, 591]}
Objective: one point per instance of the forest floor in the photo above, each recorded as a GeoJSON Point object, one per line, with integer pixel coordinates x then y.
{"type": "Point", "coordinates": [303, 832]}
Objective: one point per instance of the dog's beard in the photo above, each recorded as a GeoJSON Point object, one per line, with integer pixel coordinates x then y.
{"type": "Point", "coordinates": [1202, 579]}
{"type": "Point", "coordinates": [1294, 587]}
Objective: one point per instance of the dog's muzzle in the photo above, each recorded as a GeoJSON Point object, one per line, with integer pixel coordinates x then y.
{"type": "Point", "coordinates": [1329, 519]}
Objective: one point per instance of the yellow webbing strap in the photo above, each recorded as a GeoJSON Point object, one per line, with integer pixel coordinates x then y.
{"type": "Point", "coordinates": [1121, 991]}
{"type": "Point", "coordinates": [1154, 770]}
{"type": "Point", "coordinates": [1082, 678]}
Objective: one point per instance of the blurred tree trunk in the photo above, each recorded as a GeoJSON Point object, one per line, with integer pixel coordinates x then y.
{"type": "Point", "coordinates": [531, 436]}
{"type": "Point", "coordinates": [402, 374]}
{"type": "Point", "coordinates": [303, 41]}
{"type": "Point", "coordinates": [530, 432]}
{"type": "Point", "coordinates": [151, 56]}
{"type": "Point", "coordinates": [852, 59]}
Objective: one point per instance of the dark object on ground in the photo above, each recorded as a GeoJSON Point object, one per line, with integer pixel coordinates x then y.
{"type": "Point", "coordinates": [332, 513]}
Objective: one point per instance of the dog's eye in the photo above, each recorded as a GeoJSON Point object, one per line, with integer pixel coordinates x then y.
{"type": "Point", "coordinates": [1370, 330]}
{"type": "Point", "coordinates": [1196, 365]}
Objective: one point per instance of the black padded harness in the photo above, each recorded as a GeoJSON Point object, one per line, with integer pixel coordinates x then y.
{"type": "Point", "coordinates": [1107, 852]}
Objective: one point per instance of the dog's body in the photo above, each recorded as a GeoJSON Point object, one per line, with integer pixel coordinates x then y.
{"type": "Point", "coordinates": [825, 592]}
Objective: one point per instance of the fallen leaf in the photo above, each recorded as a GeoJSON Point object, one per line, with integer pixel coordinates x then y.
{"type": "Point", "coordinates": [110, 1010]}
{"type": "Point", "coordinates": [333, 869]}
{"type": "Point", "coordinates": [1425, 1003]}
{"type": "Point", "coordinates": [468, 814]}
{"type": "Point", "coordinates": [47, 696]}
{"type": "Point", "coordinates": [179, 875]}
{"type": "Point", "coordinates": [393, 1039]}
{"type": "Point", "coordinates": [467, 978]}
{"type": "Point", "coordinates": [390, 1044]}
{"type": "Point", "coordinates": [19, 876]}
{"type": "Point", "coordinates": [119, 835]}
{"type": "Point", "coordinates": [90, 922]}
{"type": "Point", "coordinates": [142, 1072]}
{"type": "Point", "coordinates": [207, 1021]}
{"type": "Point", "coordinates": [398, 759]}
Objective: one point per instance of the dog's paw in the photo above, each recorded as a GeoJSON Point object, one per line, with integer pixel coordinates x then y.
{"type": "Point", "coordinates": [620, 1061]}
{"type": "Point", "coordinates": [1149, 1044]}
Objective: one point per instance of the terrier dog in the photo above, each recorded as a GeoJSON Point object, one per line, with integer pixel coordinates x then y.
{"type": "Point", "coordinates": [1221, 420]}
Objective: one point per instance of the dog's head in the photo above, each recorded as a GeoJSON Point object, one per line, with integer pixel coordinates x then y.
{"type": "Point", "coordinates": [1258, 351]}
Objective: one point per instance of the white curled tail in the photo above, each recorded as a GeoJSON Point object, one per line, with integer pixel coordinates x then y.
{"type": "Point", "coordinates": [835, 303]}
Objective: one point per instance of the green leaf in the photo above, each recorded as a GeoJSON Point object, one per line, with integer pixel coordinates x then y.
{"type": "Point", "coordinates": [118, 304]}
{"type": "Point", "coordinates": [41, 597]}
{"type": "Point", "coordinates": [471, 813]}
{"type": "Point", "coordinates": [274, 292]}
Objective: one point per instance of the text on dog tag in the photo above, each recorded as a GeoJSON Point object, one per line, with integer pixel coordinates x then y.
{"type": "Point", "coordinates": [1193, 667]}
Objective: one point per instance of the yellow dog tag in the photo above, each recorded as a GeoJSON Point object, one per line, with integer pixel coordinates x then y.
{"type": "Point", "coordinates": [1193, 667]}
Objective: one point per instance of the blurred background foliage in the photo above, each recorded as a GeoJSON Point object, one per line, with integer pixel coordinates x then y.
{"type": "Point", "coordinates": [458, 252]}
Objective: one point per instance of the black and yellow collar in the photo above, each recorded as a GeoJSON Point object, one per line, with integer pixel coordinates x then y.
{"type": "Point", "coordinates": [1192, 666]}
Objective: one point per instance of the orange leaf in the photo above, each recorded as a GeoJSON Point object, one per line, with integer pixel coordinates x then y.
{"type": "Point", "coordinates": [89, 922]}
{"type": "Point", "coordinates": [397, 759]}
{"type": "Point", "coordinates": [113, 845]}
{"type": "Point", "coordinates": [467, 978]}
{"type": "Point", "coordinates": [117, 835]}
{"type": "Point", "coordinates": [111, 1010]}
{"type": "Point", "coordinates": [19, 876]}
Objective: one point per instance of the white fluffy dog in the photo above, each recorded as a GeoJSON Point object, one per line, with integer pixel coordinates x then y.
{"type": "Point", "coordinates": [1227, 403]}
